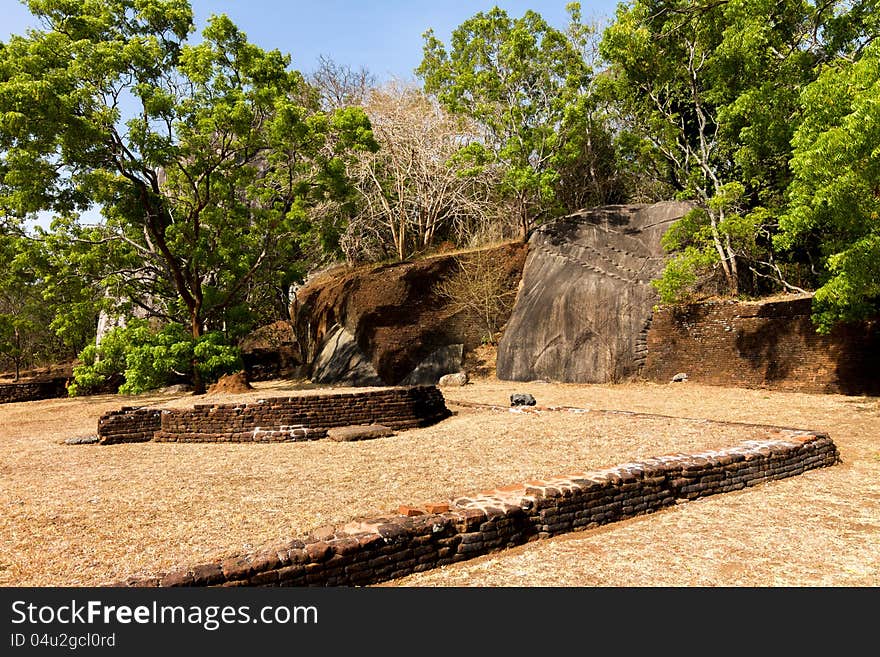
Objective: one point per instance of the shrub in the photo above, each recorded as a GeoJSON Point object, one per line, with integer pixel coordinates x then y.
{"type": "Point", "coordinates": [147, 359]}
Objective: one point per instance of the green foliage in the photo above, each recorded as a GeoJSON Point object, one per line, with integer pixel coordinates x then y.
{"type": "Point", "coordinates": [690, 240]}
{"type": "Point", "coordinates": [710, 96]}
{"type": "Point", "coordinates": [41, 319]}
{"type": "Point", "coordinates": [520, 80]}
{"type": "Point", "coordinates": [682, 273]}
{"type": "Point", "coordinates": [206, 187]}
{"type": "Point", "coordinates": [148, 359]}
{"type": "Point", "coordinates": [834, 211]}
{"type": "Point", "coordinates": [692, 228]}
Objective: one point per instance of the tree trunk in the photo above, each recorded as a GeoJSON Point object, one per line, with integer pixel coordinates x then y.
{"type": "Point", "coordinates": [196, 325]}
{"type": "Point", "coordinates": [524, 223]}
{"type": "Point", "coordinates": [723, 253]}
{"type": "Point", "coordinates": [16, 360]}
{"type": "Point", "coordinates": [734, 270]}
{"type": "Point", "coordinates": [400, 241]}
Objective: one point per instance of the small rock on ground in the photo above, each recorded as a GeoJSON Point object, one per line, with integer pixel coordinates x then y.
{"type": "Point", "coordinates": [359, 432]}
{"type": "Point", "coordinates": [81, 440]}
{"type": "Point", "coordinates": [451, 380]}
{"type": "Point", "coordinates": [177, 388]}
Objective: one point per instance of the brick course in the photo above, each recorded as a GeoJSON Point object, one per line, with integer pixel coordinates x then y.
{"type": "Point", "coordinates": [32, 391]}
{"type": "Point", "coordinates": [130, 424]}
{"type": "Point", "coordinates": [277, 418]}
{"type": "Point", "coordinates": [762, 345]}
{"type": "Point", "coordinates": [368, 551]}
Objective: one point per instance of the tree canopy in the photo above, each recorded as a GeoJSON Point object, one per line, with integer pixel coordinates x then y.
{"type": "Point", "coordinates": [206, 159]}
{"type": "Point", "coordinates": [417, 186]}
{"type": "Point", "coordinates": [834, 211]}
{"type": "Point", "coordinates": [526, 85]}
{"type": "Point", "coordinates": [712, 93]}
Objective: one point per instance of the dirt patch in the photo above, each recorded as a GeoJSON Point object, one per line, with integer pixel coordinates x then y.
{"type": "Point", "coordinates": [231, 384]}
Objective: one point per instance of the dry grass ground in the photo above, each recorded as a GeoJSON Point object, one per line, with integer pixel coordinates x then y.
{"type": "Point", "coordinates": [89, 514]}
{"type": "Point", "coordinates": [819, 529]}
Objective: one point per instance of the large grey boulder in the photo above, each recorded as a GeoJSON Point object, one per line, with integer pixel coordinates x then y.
{"type": "Point", "coordinates": [441, 361]}
{"type": "Point", "coordinates": [341, 361]}
{"type": "Point", "coordinates": [585, 303]}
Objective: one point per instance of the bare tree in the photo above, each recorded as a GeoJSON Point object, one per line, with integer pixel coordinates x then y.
{"type": "Point", "coordinates": [480, 286]}
{"type": "Point", "coordinates": [418, 184]}
{"type": "Point", "coordinates": [340, 85]}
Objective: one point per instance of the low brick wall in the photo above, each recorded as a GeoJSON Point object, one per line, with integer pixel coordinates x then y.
{"type": "Point", "coordinates": [762, 345]}
{"type": "Point", "coordinates": [275, 419]}
{"type": "Point", "coordinates": [373, 550]}
{"type": "Point", "coordinates": [32, 391]}
{"type": "Point", "coordinates": [130, 424]}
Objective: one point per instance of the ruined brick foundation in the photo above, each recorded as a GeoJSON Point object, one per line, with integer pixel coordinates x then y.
{"type": "Point", "coordinates": [32, 390]}
{"type": "Point", "coordinates": [276, 419]}
{"type": "Point", "coordinates": [373, 550]}
{"type": "Point", "coordinates": [770, 345]}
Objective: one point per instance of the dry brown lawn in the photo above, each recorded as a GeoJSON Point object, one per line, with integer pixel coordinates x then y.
{"type": "Point", "coordinates": [88, 514]}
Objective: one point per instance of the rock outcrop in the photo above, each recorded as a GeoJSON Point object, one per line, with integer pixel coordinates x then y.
{"type": "Point", "coordinates": [436, 365]}
{"type": "Point", "coordinates": [584, 308]}
{"type": "Point", "coordinates": [388, 325]}
{"type": "Point", "coordinates": [271, 352]}
{"type": "Point", "coordinates": [341, 361]}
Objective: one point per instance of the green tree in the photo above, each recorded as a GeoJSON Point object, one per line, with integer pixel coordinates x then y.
{"type": "Point", "coordinates": [710, 94]}
{"type": "Point", "coordinates": [834, 214]}
{"type": "Point", "coordinates": [30, 308]}
{"type": "Point", "coordinates": [523, 82]}
{"type": "Point", "coordinates": [206, 159]}
{"type": "Point", "coordinates": [19, 306]}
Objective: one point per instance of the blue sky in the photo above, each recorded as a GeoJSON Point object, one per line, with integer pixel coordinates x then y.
{"type": "Point", "coordinates": [385, 36]}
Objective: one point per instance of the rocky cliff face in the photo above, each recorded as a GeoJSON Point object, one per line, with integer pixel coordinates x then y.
{"type": "Point", "coordinates": [763, 344]}
{"type": "Point", "coordinates": [584, 308]}
{"type": "Point", "coordinates": [388, 325]}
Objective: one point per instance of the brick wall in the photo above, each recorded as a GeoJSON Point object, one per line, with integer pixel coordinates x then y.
{"type": "Point", "coordinates": [378, 549]}
{"type": "Point", "coordinates": [773, 345]}
{"type": "Point", "coordinates": [31, 391]}
{"type": "Point", "coordinates": [130, 424]}
{"type": "Point", "coordinates": [277, 418]}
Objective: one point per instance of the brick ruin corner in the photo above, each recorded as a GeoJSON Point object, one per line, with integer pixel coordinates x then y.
{"type": "Point", "coordinates": [372, 550]}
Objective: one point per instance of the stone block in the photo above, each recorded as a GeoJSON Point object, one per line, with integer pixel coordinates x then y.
{"type": "Point", "coordinates": [359, 432]}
